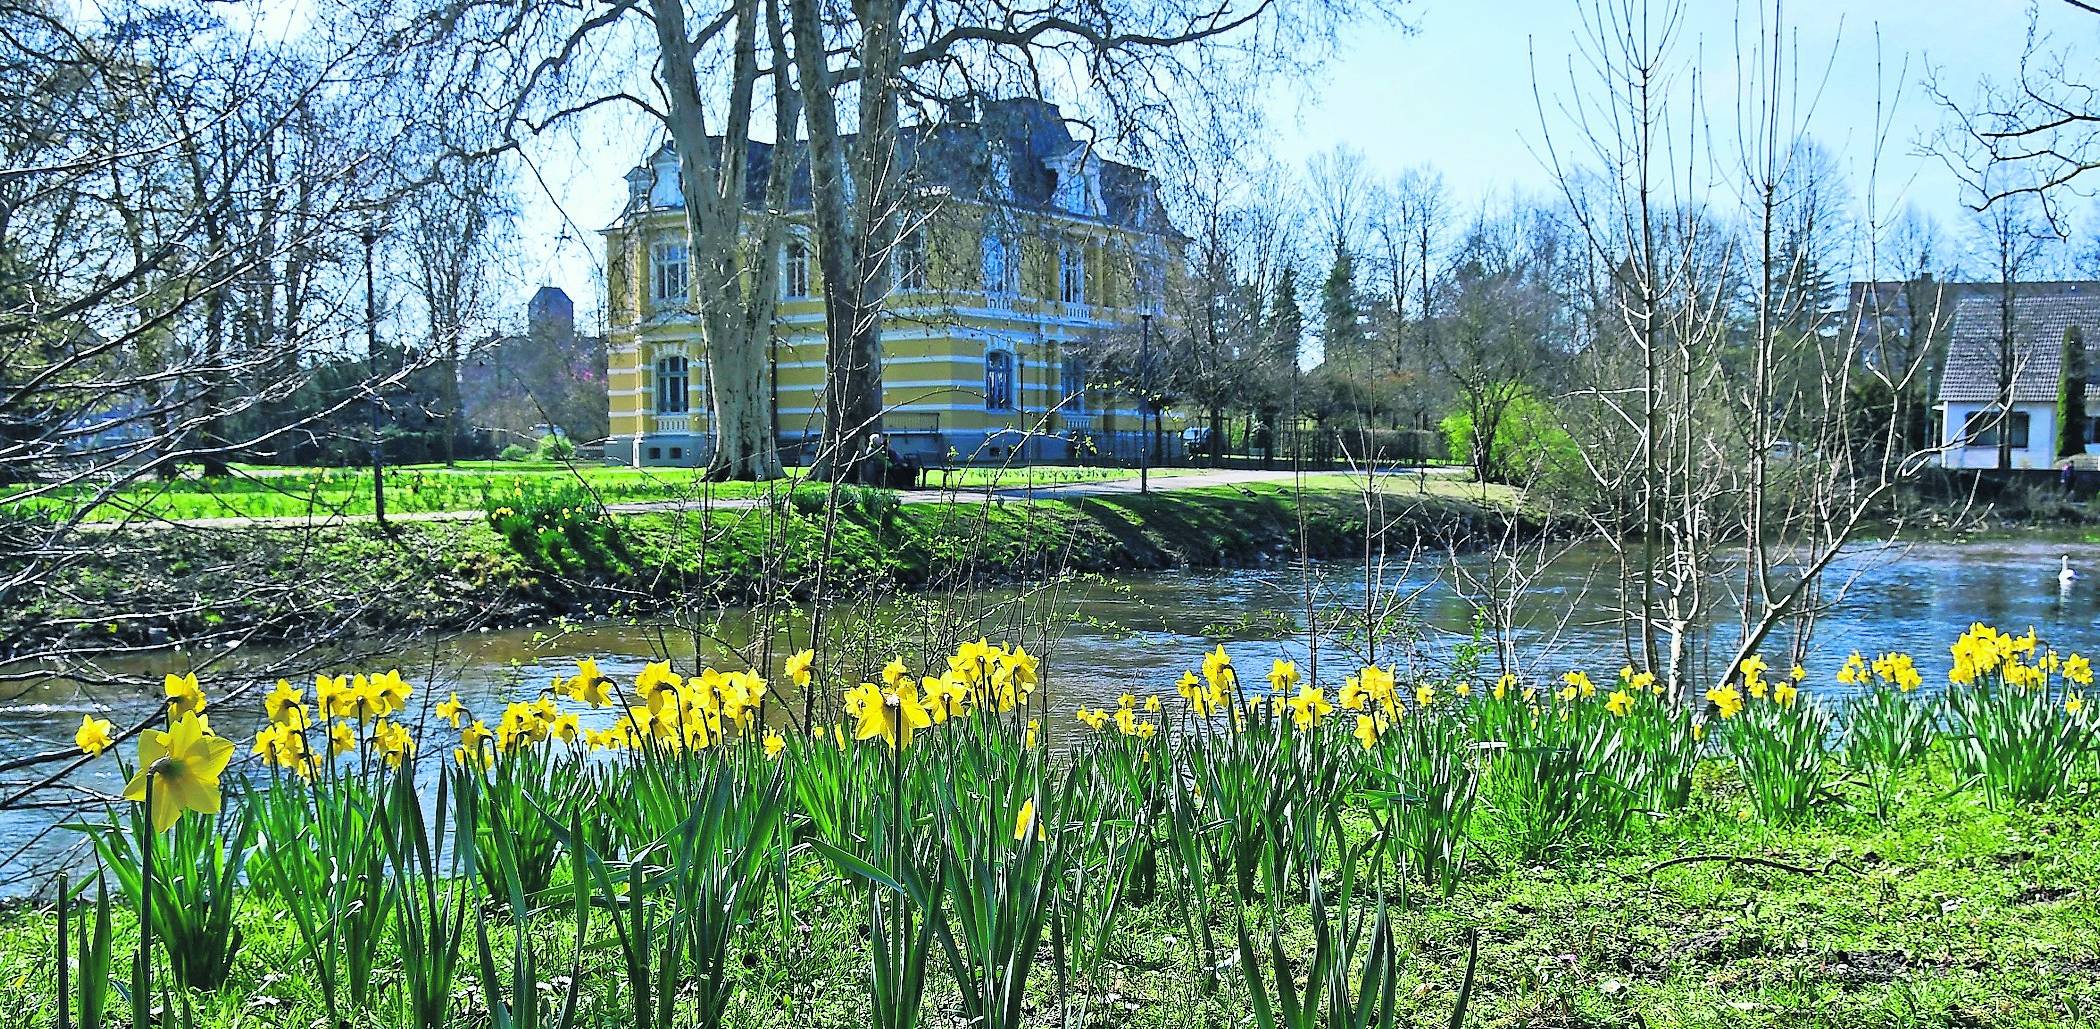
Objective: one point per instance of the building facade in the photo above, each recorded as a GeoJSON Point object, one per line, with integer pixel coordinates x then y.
{"type": "Point", "coordinates": [1026, 256]}
{"type": "Point", "coordinates": [1982, 396]}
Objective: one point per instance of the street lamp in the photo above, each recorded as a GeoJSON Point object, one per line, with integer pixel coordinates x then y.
{"type": "Point", "coordinates": [370, 235]}
{"type": "Point", "coordinates": [1145, 402]}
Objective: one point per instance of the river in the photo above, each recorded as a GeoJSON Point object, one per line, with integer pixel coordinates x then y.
{"type": "Point", "coordinates": [1137, 633]}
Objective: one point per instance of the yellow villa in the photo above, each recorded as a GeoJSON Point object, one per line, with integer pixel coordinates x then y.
{"type": "Point", "coordinates": [1026, 251]}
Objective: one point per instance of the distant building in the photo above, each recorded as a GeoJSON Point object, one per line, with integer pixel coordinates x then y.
{"type": "Point", "coordinates": [514, 389]}
{"type": "Point", "coordinates": [1028, 246]}
{"type": "Point", "coordinates": [1981, 396]}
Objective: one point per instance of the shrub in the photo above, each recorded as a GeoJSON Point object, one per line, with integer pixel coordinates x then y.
{"type": "Point", "coordinates": [514, 452]}
{"type": "Point", "coordinates": [555, 447]}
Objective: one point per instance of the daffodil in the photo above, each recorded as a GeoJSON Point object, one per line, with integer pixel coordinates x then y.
{"type": "Point", "coordinates": [181, 767]}
{"type": "Point", "coordinates": [1282, 676]}
{"type": "Point", "coordinates": [590, 687]}
{"type": "Point", "coordinates": [185, 697]}
{"type": "Point", "coordinates": [1580, 683]}
{"type": "Point", "coordinates": [451, 710]}
{"type": "Point", "coordinates": [1217, 668]}
{"type": "Point", "coordinates": [893, 714]}
{"type": "Point", "coordinates": [94, 735]}
{"type": "Point", "coordinates": [1727, 700]}
{"type": "Point", "coordinates": [798, 666]}
{"type": "Point", "coordinates": [284, 704]}
{"type": "Point", "coordinates": [774, 745]}
{"type": "Point", "coordinates": [1784, 694]}
{"type": "Point", "coordinates": [1620, 703]}
{"type": "Point", "coordinates": [657, 685]}
{"type": "Point", "coordinates": [1368, 728]}
{"type": "Point", "coordinates": [2078, 669]}
{"type": "Point", "coordinates": [1025, 820]}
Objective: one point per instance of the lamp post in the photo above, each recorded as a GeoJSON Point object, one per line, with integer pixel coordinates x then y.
{"type": "Point", "coordinates": [370, 235]}
{"type": "Point", "coordinates": [1145, 402]}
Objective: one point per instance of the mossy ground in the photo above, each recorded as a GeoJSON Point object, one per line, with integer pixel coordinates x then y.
{"type": "Point", "coordinates": [1946, 914]}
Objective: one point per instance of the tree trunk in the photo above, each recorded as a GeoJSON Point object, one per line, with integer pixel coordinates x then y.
{"type": "Point", "coordinates": [712, 184]}
{"type": "Point", "coordinates": [853, 245]}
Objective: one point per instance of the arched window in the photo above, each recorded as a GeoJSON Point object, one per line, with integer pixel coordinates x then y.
{"type": "Point", "coordinates": [998, 380]}
{"type": "Point", "coordinates": [670, 385]}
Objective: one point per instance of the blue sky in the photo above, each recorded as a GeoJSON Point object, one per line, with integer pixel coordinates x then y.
{"type": "Point", "coordinates": [1457, 95]}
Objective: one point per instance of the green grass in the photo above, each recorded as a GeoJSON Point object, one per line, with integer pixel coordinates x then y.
{"type": "Point", "coordinates": [258, 491]}
{"type": "Point", "coordinates": [1949, 915]}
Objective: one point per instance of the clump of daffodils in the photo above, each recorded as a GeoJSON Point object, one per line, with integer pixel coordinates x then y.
{"type": "Point", "coordinates": [978, 677]}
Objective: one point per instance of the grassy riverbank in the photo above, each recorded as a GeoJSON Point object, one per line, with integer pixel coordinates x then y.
{"type": "Point", "coordinates": [144, 586]}
{"type": "Point", "coordinates": [1948, 914]}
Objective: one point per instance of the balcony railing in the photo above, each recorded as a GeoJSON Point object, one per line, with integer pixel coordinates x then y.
{"type": "Point", "coordinates": [912, 421]}
{"type": "Point", "coordinates": [673, 423]}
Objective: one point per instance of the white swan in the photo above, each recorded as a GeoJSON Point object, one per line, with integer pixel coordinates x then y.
{"type": "Point", "coordinates": [2066, 577]}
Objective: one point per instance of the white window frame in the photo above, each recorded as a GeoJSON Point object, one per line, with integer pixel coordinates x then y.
{"type": "Point", "coordinates": [1071, 383]}
{"type": "Point", "coordinates": [674, 368]}
{"type": "Point", "coordinates": [999, 389]}
{"type": "Point", "coordinates": [911, 261]}
{"type": "Point", "coordinates": [1002, 274]}
{"type": "Point", "coordinates": [794, 278]}
{"type": "Point", "coordinates": [670, 271]}
{"type": "Point", "coordinates": [1071, 273]}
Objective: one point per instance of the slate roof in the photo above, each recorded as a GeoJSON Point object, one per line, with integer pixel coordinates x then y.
{"type": "Point", "coordinates": [2039, 322]}
{"type": "Point", "coordinates": [956, 154]}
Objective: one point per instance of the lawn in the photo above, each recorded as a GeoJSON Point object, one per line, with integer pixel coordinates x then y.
{"type": "Point", "coordinates": [259, 491]}
{"type": "Point", "coordinates": [1950, 914]}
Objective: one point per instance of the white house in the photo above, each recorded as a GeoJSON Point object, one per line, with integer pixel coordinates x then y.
{"type": "Point", "coordinates": [1981, 397]}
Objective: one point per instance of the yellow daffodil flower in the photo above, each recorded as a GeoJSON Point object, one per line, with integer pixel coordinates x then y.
{"type": "Point", "coordinates": [2078, 669]}
{"type": "Point", "coordinates": [774, 745]}
{"type": "Point", "coordinates": [1283, 675]}
{"type": "Point", "coordinates": [1727, 699]}
{"type": "Point", "coordinates": [892, 714]}
{"type": "Point", "coordinates": [185, 697]}
{"type": "Point", "coordinates": [451, 710]}
{"type": "Point", "coordinates": [1368, 728]}
{"type": "Point", "coordinates": [182, 767]}
{"type": "Point", "coordinates": [798, 666]}
{"type": "Point", "coordinates": [94, 735]}
{"type": "Point", "coordinates": [283, 704]}
{"type": "Point", "coordinates": [1620, 703]}
{"type": "Point", "coordinates": [1025, 821]}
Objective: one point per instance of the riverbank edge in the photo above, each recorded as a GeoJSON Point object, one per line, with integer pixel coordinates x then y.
{"type": "Point", "coordinates": [270, 585]}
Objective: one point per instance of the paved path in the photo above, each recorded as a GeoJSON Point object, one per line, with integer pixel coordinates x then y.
{"type": "Point", "coordinates": [1165, 480]}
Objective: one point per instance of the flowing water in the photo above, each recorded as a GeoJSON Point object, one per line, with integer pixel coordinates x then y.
{"type": "Point", "coordinates": [1136, 633]}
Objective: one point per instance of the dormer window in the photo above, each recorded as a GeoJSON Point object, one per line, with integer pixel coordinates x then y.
{"type": "Point", "coordinates": [1076, 181]}
{"type": "Point", "coordinates": [1002, 176]}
